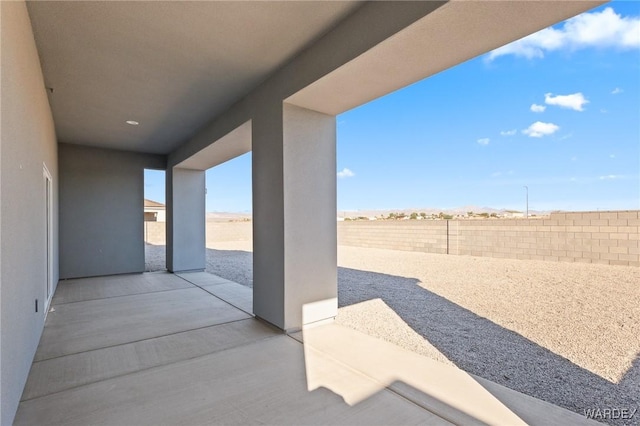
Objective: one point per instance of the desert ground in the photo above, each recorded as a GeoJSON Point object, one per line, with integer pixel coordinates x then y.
{"type": "Point", "coordinates": [566, 333]}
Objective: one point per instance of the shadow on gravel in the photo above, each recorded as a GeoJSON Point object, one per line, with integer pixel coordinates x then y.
{"type": "Point", "coordinates": [481, 347]}
{"type": "Point", "coordinates": [475, 344]}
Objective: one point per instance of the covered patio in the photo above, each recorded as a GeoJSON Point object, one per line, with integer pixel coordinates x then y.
{"type": "Point", "coordinates": [159, 348]}
{"type": "Point", "coordinates": [94, 93]}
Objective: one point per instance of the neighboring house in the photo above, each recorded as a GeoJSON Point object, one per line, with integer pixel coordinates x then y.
{"type": "Point", "coordinates": [154, 211]}
{"type": "Point", "coordinates": [93, 93]}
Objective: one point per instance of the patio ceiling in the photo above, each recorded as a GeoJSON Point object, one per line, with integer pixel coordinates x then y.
{"type": "Point", "coordinates": [170, 66]}
{"type": "Point", "coordinates": [192, 72]}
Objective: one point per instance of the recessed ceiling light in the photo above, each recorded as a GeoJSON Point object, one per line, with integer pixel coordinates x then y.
{"type": "Point", "coordinates": [132, 122]}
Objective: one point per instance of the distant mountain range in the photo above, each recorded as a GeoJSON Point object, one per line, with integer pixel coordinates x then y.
{"type": "Point", "coordinates": [232, 216]}
{"type": "Point", "coordinates": [227, 216]}
{"type": "Point", "coordinates": [430, 210]}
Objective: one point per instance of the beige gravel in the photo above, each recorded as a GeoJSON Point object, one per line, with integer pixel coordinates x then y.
{"type": "Point", "coordinates": [565, 333]}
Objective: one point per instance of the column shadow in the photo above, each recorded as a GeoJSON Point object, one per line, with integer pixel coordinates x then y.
{"type": "Point", "coordinates": [473, 343]}
{"type": "Point", "coordinates": [486, 349]}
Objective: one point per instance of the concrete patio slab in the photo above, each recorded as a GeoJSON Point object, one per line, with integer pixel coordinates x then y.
{"type": "Point", "coordinates": [235, 294]}
{"type": "Point", "coordinates": [259, 383]}
{"type": "Point", "coordinates": [444, 390]}
{"type": "Point", "coordinates": [66, 372]}
{"type": "Point", "coordinates": [83, 289]}
{"type": "Point", "coordinates": [83, 326]}
{"type": "Point", "coordinates": [203, 278]}
{"type": "Point", "coordinates": [186, 357]}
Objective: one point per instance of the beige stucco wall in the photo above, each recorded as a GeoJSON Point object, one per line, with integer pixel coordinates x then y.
{"type": "Point", "coordinates": [159, 214]}
{"type": "Point", "coordinates": [28, 142]}
{"type": "Point", "coordinates": [610, 237]}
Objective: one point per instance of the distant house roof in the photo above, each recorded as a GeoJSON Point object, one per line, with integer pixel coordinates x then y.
{"type": "Point", "coordinates": [151, 203]}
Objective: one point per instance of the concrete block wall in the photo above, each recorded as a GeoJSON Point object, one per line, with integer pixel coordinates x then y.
{"type": "Point", "coordinates": [229, 231]}
{"type": "Point", "coordinates": [155, 233]}
{"type": "Point", "coordinates": [609, 237]}
{"type": "Point", "coordinates": [410, 235]}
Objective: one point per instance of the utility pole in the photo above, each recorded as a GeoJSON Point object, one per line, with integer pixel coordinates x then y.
{"type": "Point", "coordinates": [527, 214]}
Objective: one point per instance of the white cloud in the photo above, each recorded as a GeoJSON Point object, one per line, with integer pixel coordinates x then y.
{"type": "Point", "coordinates": [613, 177]}
{"type": "Point", "coordinates": [484, 141]}
{"type": "Point", "coordinates": [498, 173]}
{"type": "Point", "coordinates": [616, 91]}
{"type": "Point", "coordinates": [540, 129]}
{"type": "Point", "coordinates": [612, 156]}
{"type": "Point", "coordinates": [345, 173]}
{"type": "Point", "coordinates": [610, 177]}
{"type": "Point", "coordinates": [574, 158]}
{"type": "Point", "coordinates": [604, 29]}
{"type": "Point", "coordinates": [575, 101]}
{"type": "Point", "coordinates": [538, 108]}
{"type": "Point", "coordinates": [532, 46]}
{"type": "Point", "coordinates": [508, 132]}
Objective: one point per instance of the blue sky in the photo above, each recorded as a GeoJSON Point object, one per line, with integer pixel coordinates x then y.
{"type": "Point", "coordinates": [558, 111]}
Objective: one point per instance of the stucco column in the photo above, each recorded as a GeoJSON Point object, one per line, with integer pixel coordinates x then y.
{"type": "Point", "coordinates": [185, 220]}
{"type": "Point", "coordinates": [294, 216]}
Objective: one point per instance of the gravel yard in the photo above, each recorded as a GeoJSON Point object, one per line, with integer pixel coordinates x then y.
{"type": "Point", "coordinates": [562, 332]}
